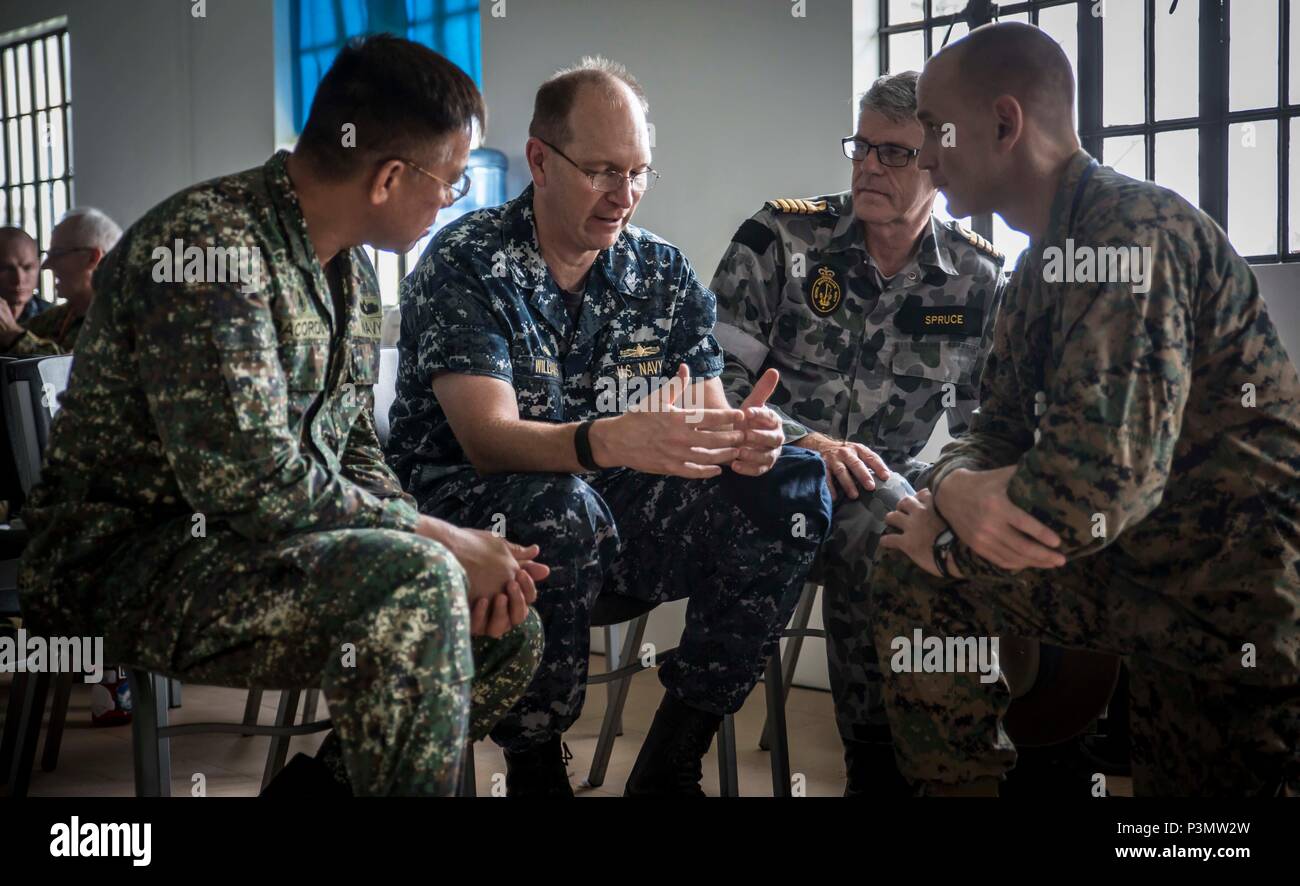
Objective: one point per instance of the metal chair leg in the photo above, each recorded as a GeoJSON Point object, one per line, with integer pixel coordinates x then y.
{"type": "Point", "coordinates": [58, 717]}
{"type": "Point", "coordinates": [37, 690]}
{"type": "Point", "coordinates": [802, 615]}
{"type": "Point", "coordinates": [279, 749]}
{"type": "Point", "coordinates": [251, 708]}
{"type": "Point", "coordinates": [776, 713]}
{"type": "Point", "coordinates": [151, 752]}
{"type": "Point", "coordinates": [614, 710]}
{"type": "Point", "coordinates": [15, 722]}
{"type": "Point", "coordinates": [468, 788]}
{"type": "Point", "coordinates": [613, 661]}
{"type": "Point", "coordinates": [728, 776]}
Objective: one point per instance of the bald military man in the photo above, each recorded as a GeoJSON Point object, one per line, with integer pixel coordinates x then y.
{"type": "Point", "coordinates": [77, 244]}
{"type": "Point", "coordinates": [528, 331]}
{"type": "Point", "coordinates": [20, 268]}
{"type": "Point", "coordinates": [1131, 483]}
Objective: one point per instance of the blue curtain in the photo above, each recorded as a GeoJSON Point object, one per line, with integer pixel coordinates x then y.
{"type": "Point", "coordinates": [321, 27]}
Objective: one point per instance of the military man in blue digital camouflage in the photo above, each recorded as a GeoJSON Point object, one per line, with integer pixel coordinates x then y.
{"type": "Point", "coordinates": [558, 380]}
{"type": "Point", "coordinates": [878, 317]}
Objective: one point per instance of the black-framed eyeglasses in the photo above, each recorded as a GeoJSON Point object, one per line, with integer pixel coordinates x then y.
{"type": "Point", "coordinates": [857, 149]}
{"type": "Point", "coordinates": [611, 181]}
{"type": "Point", "coordinates": [47, 254]}
{"type": "Point", "coordinates": [457, 190]}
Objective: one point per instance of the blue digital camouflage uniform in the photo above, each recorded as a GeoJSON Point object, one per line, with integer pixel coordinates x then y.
{"type": "Point", "coordinates": [861, 358]}
{"type": "Point", "coordinates": [1156, 428]}
{"type": "Point", "coordinates": [483, 302]}
{"type": "Point", "coordinates": [215, 503]}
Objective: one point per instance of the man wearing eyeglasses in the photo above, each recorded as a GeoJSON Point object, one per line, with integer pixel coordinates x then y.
{"type": "Point", "coordinates": [77, 244]}
{"type": "Point", "coordinates": [558, 381]}
{"type": "Point", "coordinates": [215, 503]}
{"type": "Point", "coordinates": [878, 317]}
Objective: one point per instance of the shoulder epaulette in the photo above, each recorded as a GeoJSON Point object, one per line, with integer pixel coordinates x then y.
{"type": "Point", "coordinates": [979, 243]}
{"type": "Point", "coordinates": [798, 207]}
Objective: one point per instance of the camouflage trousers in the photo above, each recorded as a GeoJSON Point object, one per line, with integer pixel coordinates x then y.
{"type": "Point", "coordinates": [377, 619]}
{"type": "Point", "coordinates": [1201, 722]}
{"type": "Point", "coordinates": [846, 564]}
{"type": "Point", "coordinates": [724, 543]}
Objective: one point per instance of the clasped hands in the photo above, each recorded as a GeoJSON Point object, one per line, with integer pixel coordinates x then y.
{"type": "Point", "coordinates": [982, 516]}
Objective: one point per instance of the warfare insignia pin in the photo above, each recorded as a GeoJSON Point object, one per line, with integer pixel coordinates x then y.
{"type": "Point", "coordinates": [639, 351]}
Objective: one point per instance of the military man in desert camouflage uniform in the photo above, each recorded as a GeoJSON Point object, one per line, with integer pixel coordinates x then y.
{"type": "Point", "coordinates": [1131, 483]}
{"type": "Point", "coordinates": [878, 316]}
{"type": "Point", "coordinates": [528, 331]}
{"type": "Point", "coordinates": [215, 502]}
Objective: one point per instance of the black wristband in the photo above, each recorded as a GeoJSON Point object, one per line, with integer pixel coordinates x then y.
{"type": "Point", "coordinates": [582, 446]}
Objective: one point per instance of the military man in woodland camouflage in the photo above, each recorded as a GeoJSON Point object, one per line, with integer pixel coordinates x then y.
{"type": "Point", "coordinates": [215, 502]}
{"type": "Point", "coordinates": [878, 317]}
{"type": "Point", "coordinates": [536, 341]}
{"type": "Point", "coordinates": [1131, 483]}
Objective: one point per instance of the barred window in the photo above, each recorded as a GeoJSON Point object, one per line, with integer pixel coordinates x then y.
{"type": "Point", "coordinates": [1201, 96]}
{"type": "Point", "coordinates": [35, 133]}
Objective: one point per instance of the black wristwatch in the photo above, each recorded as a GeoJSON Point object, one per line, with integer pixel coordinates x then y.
{"type": "Point", "coordinates": [943, 543]}
{"type": "Point", "coordinates": [582, 446]}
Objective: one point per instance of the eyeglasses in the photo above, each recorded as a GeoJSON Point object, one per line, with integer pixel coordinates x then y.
{"type": "Point", "coordinates": [611, 181]}
{"type": "Point", "coordinates": [857, 149]}
{"type": "Point", "coordinates": [57, 253]}
{"type": "Point", "coordinates": [458, 190]}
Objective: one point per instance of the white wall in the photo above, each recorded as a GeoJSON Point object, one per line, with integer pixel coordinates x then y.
{"type": "Point", "coordinates": [161, 99]}
{"type": "Point", "coordinates": [747, 101]}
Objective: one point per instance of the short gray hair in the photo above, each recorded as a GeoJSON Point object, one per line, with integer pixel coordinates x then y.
{"type": "Point", "coordinates": [893, 96]}
{"type": "Point", "coordinates": [90, 227]}
{"type": "Point", "coordinates": [556, 96]}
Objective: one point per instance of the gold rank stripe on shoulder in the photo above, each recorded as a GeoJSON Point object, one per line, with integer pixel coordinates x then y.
{"type": "Point", "coordinates": [797, 206]}
{"type": "Point", "coordinates": [979, 242]}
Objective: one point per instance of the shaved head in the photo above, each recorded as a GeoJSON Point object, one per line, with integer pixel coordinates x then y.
{"type": "Point", "coordinates": [1020, 60]}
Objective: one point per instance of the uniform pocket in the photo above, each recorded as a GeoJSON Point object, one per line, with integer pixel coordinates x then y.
{"type": "Point", "coordinates": [941, 361]}
{"type": "Point", "coordinates": [305, 365]}
{"type": "Point", "coordinates": [799, 337]}
{"type": "Point", "coordinates": [364, 361]}
{"type": "Point", "coordinates": [256, 383]}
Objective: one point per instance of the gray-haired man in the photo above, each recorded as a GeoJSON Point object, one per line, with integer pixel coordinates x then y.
{"type": "Point", "coordinates": [77, 244]}
{"type": "Point", "coordinates": [878, 317]}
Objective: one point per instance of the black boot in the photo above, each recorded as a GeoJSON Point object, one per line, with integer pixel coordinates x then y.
{"type": "Point", "coordinates": [539, 771]}
{"type": "Point", "coordinates": [872, 771]}
{"type": "Point", "coordinates": [671, 760]}
{"type": "Point", "coordinates": [305, 777]}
